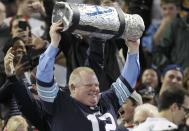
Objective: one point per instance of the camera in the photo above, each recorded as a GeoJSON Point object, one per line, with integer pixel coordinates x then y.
{"type": "Point", "coordinates": [23, 25]}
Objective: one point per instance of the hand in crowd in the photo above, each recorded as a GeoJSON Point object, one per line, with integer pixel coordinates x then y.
{"type": "Point", "coordinates": [166, 20]}
{"type": "Point", "coordinates": [12, 68]}
{"type": "Point", "coordinates": [37, 6]}
{"type": "Point", "coordinates": [55, 33]}
{"type": "Point", "coordinates": [8, 63]}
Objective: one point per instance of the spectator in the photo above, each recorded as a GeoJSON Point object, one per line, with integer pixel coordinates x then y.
{"type": "Point", "coordinates": [153, 35]}
{"type": "Point", "coordinates": [15, 86]}
{"type": "Point", "coordinates": [173, 48]}
{"type": "Point", "coordinates": [149, 85]}
{"type": "Point", "coordinates": [173, 107]}
{"type": "Point", "coordinates": [172, 75]}
{"type": "Point", "coordinates": [126, 111]}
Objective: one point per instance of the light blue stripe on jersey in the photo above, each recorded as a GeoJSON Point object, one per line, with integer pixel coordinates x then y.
{"type": "Point", "coordinates": [130, 73]}
{"type": "Point", "coordinates": [48, 94]}
{"type": "Point", "coordinates": [121, 91]}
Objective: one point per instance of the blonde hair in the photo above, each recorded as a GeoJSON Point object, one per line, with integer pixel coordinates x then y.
{"type": "Point", "coordinates": [148, 109]}
{"type": "Point", "coordinates": [16, 122]}
{"type": "Point", "coordinates": [75, 76]}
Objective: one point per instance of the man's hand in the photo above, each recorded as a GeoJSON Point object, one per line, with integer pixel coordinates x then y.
{"type": "Point", "coordinates": [55, 33]}
{"type": "Point", "coordinates": [8, 63]}
{"type": "Point", "coordinates": [133, 46]}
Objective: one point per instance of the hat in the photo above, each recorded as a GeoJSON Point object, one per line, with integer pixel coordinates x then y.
{"type": "Point", "coordinates": [172, 67]}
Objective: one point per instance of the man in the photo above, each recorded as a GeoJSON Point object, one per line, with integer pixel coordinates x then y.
{"type": "Point", "coordinates": [173, 47]}
{"type": "Point", "coordinates": [173, 107]}
{"type": "Point", "coordinates": [172, 75]}
{"type": "Point", "coordinates": [85, 109]}
{"type": "Point", "coordinates": [126, 111]}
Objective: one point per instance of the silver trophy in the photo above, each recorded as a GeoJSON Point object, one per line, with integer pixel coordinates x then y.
{"type": "Point", "coordinates": [98, 21]}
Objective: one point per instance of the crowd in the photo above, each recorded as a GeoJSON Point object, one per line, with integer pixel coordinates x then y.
{"type": "Point", "coordinates": [62, 81]}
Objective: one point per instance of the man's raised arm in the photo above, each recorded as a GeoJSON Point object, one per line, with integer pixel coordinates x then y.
{"type": "Point", "coordinates": [47, 88]}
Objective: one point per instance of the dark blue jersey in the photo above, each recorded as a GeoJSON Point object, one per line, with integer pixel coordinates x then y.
{"type": "Point", "coordinates": [67, 114]}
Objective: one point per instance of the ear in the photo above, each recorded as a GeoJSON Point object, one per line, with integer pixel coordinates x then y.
{"type": "Point", "coordinates": [72, 87]}
{"type": "Point", "coordinates": [174, 107]}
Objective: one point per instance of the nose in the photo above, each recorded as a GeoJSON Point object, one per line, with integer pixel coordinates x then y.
{"type": "Point", "coordinates": [95, 88]}
{"type": "Point", "coordinates": [174, 80]}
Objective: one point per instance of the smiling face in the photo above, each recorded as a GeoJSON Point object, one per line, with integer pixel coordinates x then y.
{"type": "Point", "coordinates": [150, 78]}
{"type": "Point", "coordinates": [171, 78]}
{"type": "Point", "coordinates": [85, 88]}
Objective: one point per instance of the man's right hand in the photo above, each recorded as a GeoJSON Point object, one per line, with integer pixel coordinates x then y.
{"type": "Point", "coordinates": [55, 33]}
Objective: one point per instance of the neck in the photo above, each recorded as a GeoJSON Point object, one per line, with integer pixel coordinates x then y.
{"type": "Point", "coordinates": [166, 114]}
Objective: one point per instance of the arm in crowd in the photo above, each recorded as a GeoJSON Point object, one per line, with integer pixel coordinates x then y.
{"type": "Point", "coordinates": [5, 91]}
{"type": "Point", "coordinates": [31, 108]}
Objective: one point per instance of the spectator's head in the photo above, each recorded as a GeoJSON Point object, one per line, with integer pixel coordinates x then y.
{"type": "Point", "coordinates": [186, 79]}
{"type": "Point", "coordinates": [173, 104]}
{"type": "Point", "coordinates": [84, 86]}
{"type": "Point", "coordinates": [150, 78]}
{"type": "Point", "coordinates": [2, 12]}
{"type": "Point", "coordinates": [19, 50]}
{"type": "Point", "coordinates": [170, 7]}
{"type": "Point", "coordinates": [20, 28]}
{"type": "Point", "coordinates": [172, 76]}
{"type": "Point", "coordinates": [126, 111]}
{"type": "Point", "coordinates": [24, 7]}
{"type": "Point", "coordinates": [144, 111]}
{"type": "Point", "coordinates": [17, 123]}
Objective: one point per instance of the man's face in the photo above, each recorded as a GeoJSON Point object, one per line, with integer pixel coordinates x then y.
{"type": "Point", "coordinates": [182, 111]}
{"type": "Point", "coordinates": [19, 51]}
{"type": "Point", "coordinates": [87, 90]}
{"type": "Point", "coordinates": [2, 13]}
{"type": "Point", "coordinates": [169, 9]}
{"type": "Point", "coordinates": [171, 78]}
{"type": "Point", "coordinates": [127, 111]}
{"type": "Point", "coordinates": [150, 78]}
